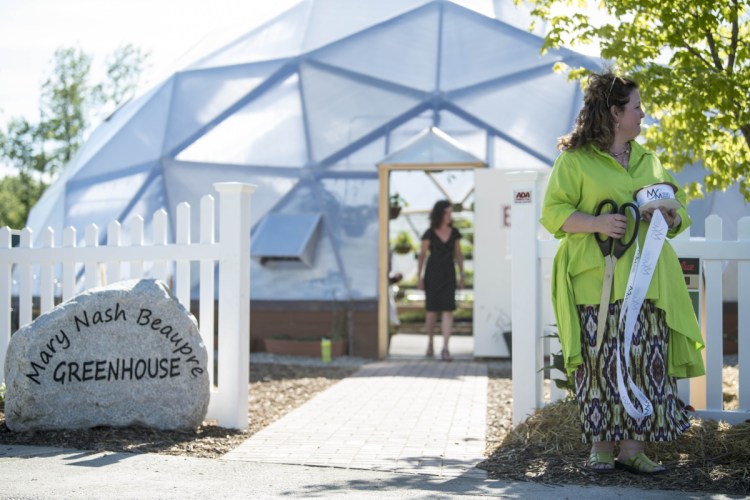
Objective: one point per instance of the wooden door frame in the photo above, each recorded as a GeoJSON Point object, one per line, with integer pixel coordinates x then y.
{"type": "Point", "coordinates": [384, 175]}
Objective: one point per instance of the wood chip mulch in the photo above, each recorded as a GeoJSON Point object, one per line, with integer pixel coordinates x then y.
{"type": "Point", "coordinates": [710, 457]}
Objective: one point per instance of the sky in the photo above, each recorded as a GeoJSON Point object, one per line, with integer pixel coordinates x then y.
{"type": "Point", "coordinates": [172, 30]}
{"type": "Point", "coordinates": [175, 32]}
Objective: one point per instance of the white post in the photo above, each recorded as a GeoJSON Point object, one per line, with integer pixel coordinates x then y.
{"type": "Point", "coordinates": [91, 279]}
{"type": "Point", "coordinates": [69, 266]}
{"type": "Point", "coordinates": [527, 357]}
{"type": "Point", "coordinates": [25, 284]}
{"type": "Point", "coordinates": [182, 267]}
{"type": "Point", "coordinates": [159, 227]}
{"type": "Point", "coordinates": [234, 302]}
{"type": "Point", "coordinates": [714, 327]}
{"type": "Point", "coordinates": [114, 231]}
{"type": "Point", "coordinates": [5, 293]}
{"type": "Point", "coordinates": [46, 279]}
{"type": "Point", "coordinates": [207, 277]}
{"type": "Point", "coordinates": [743, 317]}
{"type": "Point", "coordinates": [136, 240]}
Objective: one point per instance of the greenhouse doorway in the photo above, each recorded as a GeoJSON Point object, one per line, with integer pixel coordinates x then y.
{"type": "Point", "coordinates": [430, 153]}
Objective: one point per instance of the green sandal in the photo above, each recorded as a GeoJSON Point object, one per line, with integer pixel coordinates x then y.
{"type": "Point", "coordinates": [640, 464]}
{"type": "Point", "coordinates": [601, 462]}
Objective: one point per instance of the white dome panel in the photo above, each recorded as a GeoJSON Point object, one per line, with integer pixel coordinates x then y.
{"type": "Point", "coordinates": [541, 119]}
{"type": "Point", "coordinates": [200, 96]}
{"type": "Point", "coordinates": [476, 49]}
{"type": "Point", "coordinates": [191, 181]}
{"type": "Point", "coordinates": [106, 199]}
{"type": "Point", "coordinates": [341, 110]}
{"type": "Point", "coordinates": [408, 42]}
{"type": "Point", "coordinates": [279, 38]}
{"type": "Point", "coordinates": [332, 20]}
{"type": "Point", "coordinates": [138, 141]}
{"type": "Point", "coordinates": [266, 131]}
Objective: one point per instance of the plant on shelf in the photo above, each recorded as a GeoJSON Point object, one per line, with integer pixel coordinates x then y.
{"type": "Point", "coordinates": [467, 249]}
{"type": "Point", "coordinates": [403, 243]}
{"type": "Point", "coordinates": [395, 204]}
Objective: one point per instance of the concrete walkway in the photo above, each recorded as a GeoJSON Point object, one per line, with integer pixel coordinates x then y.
{"type": "Point", "coordinates": [402, 428]}
{"type": "Point", "coordinates": [406, 414]}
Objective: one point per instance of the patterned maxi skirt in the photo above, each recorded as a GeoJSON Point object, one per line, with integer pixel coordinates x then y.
{"type": "Point", "coordinates": [603, 417]}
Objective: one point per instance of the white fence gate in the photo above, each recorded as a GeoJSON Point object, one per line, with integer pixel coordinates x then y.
{"type": "Point", "coordinates": [532, 252]}
{"type": "Point", "coordinates": [104, 264]}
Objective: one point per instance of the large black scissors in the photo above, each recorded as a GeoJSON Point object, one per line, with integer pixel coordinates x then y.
{"type": "Point", "coordinates": [612, 249]}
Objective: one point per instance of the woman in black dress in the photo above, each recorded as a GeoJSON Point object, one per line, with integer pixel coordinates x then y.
{"type": "Point", "coordinates": [442, 241]}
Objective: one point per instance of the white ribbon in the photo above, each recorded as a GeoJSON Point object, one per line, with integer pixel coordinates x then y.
{"type": "Point", "coordinates": [641, 272]}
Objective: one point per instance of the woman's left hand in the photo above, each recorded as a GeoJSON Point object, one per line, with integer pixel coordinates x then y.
{"type": "Point", "coordinates": [670, 215]}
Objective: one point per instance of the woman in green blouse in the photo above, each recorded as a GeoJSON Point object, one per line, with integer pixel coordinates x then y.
{"type": "Point", "coordinates": [601, 160]}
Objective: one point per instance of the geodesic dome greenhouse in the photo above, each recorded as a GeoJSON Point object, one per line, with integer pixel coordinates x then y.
{"type": "Point", "coordinates": [304, 107]}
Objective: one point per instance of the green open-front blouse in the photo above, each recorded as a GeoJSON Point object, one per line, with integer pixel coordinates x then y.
{"type": "Point", "coordinates": [581, 179]}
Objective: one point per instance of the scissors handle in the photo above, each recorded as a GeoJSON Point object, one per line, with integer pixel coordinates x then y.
{"type": "Point", "coordinates": [605, 244]}
{"type": "Point", "coordinates": [620, 245]}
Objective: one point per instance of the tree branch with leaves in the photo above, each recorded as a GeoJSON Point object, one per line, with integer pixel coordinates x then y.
{"type": "Point", "coordinates": [692, 60]}
{"type": "Point", "coordinates": [69, 105]}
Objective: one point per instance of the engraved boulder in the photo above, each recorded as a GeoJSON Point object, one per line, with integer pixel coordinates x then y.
{"type": "Point", "coordinates": [120, 355]}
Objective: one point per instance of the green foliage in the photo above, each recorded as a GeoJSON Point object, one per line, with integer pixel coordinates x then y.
{"type": "Point", "coordinates": [124, 68]}
{"type": "Point", "coordinates": [396, 200]}
{"type": "Point", "coordinates": [469, 278]}
{"type": "Point", "coordinates": [21, 146]}
{"type": "Point", "coordinates": [403, 243]}
{"type": "Point", "coordinates": [417, 316]}
{"type": "Point", "coordinates": [558, 363]}
{"type": "Point", "coordinates": [467, 249]}
{"type": "Point", "coordinates": [69, 104]}
{"type": "Point", "coordinates": [65, 106]}
{"type": "Point", "coordinates": [692, 60]}
{"type": "Point", "coordinates": [17, 195]}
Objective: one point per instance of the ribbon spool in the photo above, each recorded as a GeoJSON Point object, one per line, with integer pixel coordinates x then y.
{"type": "Point", "coordinates": [657, 195]}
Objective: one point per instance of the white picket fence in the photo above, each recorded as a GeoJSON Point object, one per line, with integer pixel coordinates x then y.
{"type": "Point", "coordinates": [104, 264]}
{"type": "Point", "coordinates": [532, 250]}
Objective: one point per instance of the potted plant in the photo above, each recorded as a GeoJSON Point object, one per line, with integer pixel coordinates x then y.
{"type": "Point", "coordinates": [467, 249]}
{"type": "Point", "coordinates": [395, 204]}
{"type": "Point", "coordinates": [403, 243]}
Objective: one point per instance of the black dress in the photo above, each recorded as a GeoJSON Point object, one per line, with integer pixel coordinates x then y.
{"type": "Point", "coordinates": [440, 272]}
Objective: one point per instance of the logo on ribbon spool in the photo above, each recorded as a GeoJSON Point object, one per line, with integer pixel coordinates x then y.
{"type": "Point", "coordinates": [657, 195]}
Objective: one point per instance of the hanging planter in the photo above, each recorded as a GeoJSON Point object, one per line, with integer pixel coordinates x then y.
{"type": "Point", "coordinates": [403, 243]}
{"type": "Point", "coordinates": [395, 204]}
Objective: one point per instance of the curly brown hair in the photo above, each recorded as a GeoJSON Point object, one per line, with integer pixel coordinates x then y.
{"type": "Point", "coordinates": [594, 124]}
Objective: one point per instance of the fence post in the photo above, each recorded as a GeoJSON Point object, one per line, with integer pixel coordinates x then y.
{"type": "Point", "coordinates": [207, 278]}
{"type": "Point", "coordinates": [743, 319]}
{"type": "Point", "coordinates": [25, 283]}
{"type": "Point", "coordinates": [234, 303]}
{"type": "Point", "coordinates": [713, 306]}
{"type": "Point", "coordinates": [5, 304]}
{"type": "Point", "coordinates": [528, 382]}
{"type": "Point", "coordinates": [182, 267]}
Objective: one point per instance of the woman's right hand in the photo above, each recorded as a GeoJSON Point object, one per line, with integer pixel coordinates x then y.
{"type": "Point", "coordinates": [613, 225]}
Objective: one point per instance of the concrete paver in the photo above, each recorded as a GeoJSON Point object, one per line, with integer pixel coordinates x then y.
{"type": "Point", "coordinates": [405, 415]}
